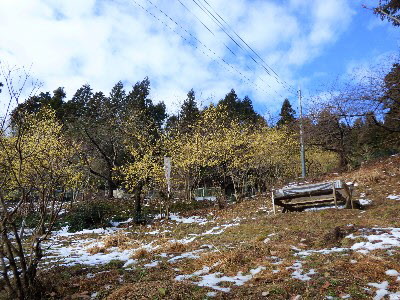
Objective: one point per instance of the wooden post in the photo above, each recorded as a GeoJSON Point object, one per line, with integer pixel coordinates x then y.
{"type": "Point", "coordinates": [273, 202]}
{"type": "Point", "coordinates": [349, 193]}
{"type": "Point", "coordinates": [334, 194]}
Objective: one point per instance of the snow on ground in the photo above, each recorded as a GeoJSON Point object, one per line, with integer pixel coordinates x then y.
{"type": "Point", "coordinates": [322, 251]}
{"type": "Point", "coordinates": [116, 224]}
{"type": "Point", "coordinates": [299, 273]}
{"type": "Point", "coordinates": [324, 207]}
{"type": "Point", "coordinates": [393, 273]}
{"type": "Point", "coordinates": [377, 238]}
{"type": "Point", "coordinates": [66, 248]}
{"type": "Point", "coordinates": [185, 220]}
{"type": "Point", "coordinates": [64, 231]}
{"type": "Point", "coordinates": [382, 291]}
{"type": "Point", "coordinates": [214, 280]}
{"type": "Point", "coordinates": [365, 202]}
{"type": "Point", "coordinates": [393, 197]}
{"type": "Point", "coordinates": [220, 229]}
{"type": "Point", "coordinates": [384, 238]}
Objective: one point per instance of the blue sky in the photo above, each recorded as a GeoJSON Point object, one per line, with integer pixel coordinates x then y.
{"type": "Point", "coordinates": [307, 42]}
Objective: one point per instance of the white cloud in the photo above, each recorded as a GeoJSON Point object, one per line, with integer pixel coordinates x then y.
{"type": "Point", "coordinates": [74, 42]}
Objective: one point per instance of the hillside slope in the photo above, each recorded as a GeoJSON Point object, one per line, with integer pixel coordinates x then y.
{"type": "Point", "coordinates": [243, 251]}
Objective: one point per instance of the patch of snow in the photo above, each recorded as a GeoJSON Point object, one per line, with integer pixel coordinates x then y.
{"type": "Point", "coordinates": [129, 262]}
{"type": "Point", "coordinates": [392, 273]}
{"type": "Point", "coordinates": [192, 255]}
{"type": "Point", "coordinates": [221, 228]}
{"type": "Point", "coordinates": [152, 264]}
{"type": "Point", "coordinates": [381, 289]}
{"type": "Point", "coordinates": [395, 296]}
{"type": "Point", "coordinates": [183, 241]}
{"type": "Point", "coordinates": [64, 231]}
{"type": "Point", "coordinates": [213, 280]}
{"type": "Point", "coordinates": [324, 207]}
{"type": "Point", "coordinates": [322, 251]}
{"type": "Point", "coordinates": [384, 238]}
{"type": "Point", "coordinates": [116, 224]}
{"type": "Point", "coordinates": [211, 294]}
{"type": "Point", "coordinates": [299, 273]}
{"type": "Point", "coordinates": [365, 202]}
{"type": "Point", "coordinates": [377, 238]}
{"type": "Point", "coordinates": [189, 220]}
{"type": "Point", "coordinates": [393, 197]}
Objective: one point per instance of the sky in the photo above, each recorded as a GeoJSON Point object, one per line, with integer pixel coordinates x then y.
{"type": "Point", "coordinates": [179, 45]}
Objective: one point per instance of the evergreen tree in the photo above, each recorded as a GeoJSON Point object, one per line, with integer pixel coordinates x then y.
{"type": "Point", "coordinates": [391, 99]}
{"type": "Point", "coordinates": [117, 95]}
{"type": "Point", "coordinates": [138, 101]}
{"type": "Point", "coordinates": [77, 106]}
{"type": "Point", "coordinates": [287, 114]}
{"type": "Point", "coordinates": [189, 112]}
{"type": "Point", "coordinates": [35, 103]}
{"type": "Point", "coordinates": [241, 110]}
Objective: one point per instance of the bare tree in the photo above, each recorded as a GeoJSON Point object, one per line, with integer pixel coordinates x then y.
{"type": "Point", "coordinates": [36, 168]}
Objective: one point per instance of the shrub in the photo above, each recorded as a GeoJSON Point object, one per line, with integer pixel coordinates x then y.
{"type": "Point", "coordinates": [90, 215]}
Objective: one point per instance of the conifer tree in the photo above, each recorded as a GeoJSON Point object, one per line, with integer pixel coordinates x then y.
{"type": "Point", "coordinates": [287, 114]}
{"type": "Point", "coordinates": [189, 112]}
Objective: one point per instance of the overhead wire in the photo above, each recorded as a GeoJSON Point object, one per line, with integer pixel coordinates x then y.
{"type": "Point", "coordinates": [194, 45]}
{"type": "Point", "coordinates": [263, 64]}
{"type": "Point", "coordinates": [199, 42]}
{"type": "Point", "coordinates": [226, 46]}
{"type": "Point", "coordinates": [248, 46]}
{"type": "Point", "coordinates": [216, 21]}
{"type": "Point", "coordinates": [221, 26]}
{"type": "Point", "coordinates": [208, 29]}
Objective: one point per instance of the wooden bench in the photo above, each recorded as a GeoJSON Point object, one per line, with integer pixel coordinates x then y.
{"type": "Point", "coordinates": [300, 197]}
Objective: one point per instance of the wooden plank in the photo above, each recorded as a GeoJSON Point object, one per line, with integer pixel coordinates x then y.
{"type": "Point", "coordinates": [273, 202]}
{"type": "Point", "coordinates": [306, 194]}
{"type": "Point", "coordinates": [318, 198]}
{"type": "Point", "coordinates": [309, 202]}
{"type": "Point", "coordinates": [334, 194]}
{"type": "Point", "coordinates": [300, 200]}
{"type": "Point", "coordinates": [349, 195]}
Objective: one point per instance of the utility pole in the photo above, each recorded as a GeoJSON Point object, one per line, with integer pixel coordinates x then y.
{"type": "Point", "coordinates": [302, 154]}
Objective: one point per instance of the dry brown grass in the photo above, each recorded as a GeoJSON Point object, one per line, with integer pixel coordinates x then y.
{"type": "Point", "coordinates": [96, 250]}
{"type": "Point", "coordinates": [116, 240]}
{"type": "Point", "coordinates": [241, 248]}
{"type": "Point", "coordinates": [366, 177]}
{"type": "Point", "coordinates": [142, 254]}
{"type": "Point", "coordinates": [230, 261]}
{"type": "Point", "coordinates": [176, 247]}
{"type": "Point", "coordinates": [157, 290]}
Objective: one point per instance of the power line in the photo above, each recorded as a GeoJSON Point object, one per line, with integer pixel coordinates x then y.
{"type": "Point", "coordinates": [166, 25]}
{"type": "Point", "coordinates": [264, 65]}
{"type": "Point", "coordinates": [196, 17]}
{"type": "Point", "coordinates": [226, 46]}
{"type": "Point", "coordinates": [220, 25]}
{"type": "Point", "coordinates": [245, 43]}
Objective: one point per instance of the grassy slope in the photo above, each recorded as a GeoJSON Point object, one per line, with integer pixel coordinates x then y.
{"type": "Point", "coordinates": [260, 239]}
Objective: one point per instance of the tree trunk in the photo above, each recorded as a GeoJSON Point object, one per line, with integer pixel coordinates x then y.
{"type": "Point", "coordinates": [110, 184]}
{"type": "Point", "coordinates": [138, 204]}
